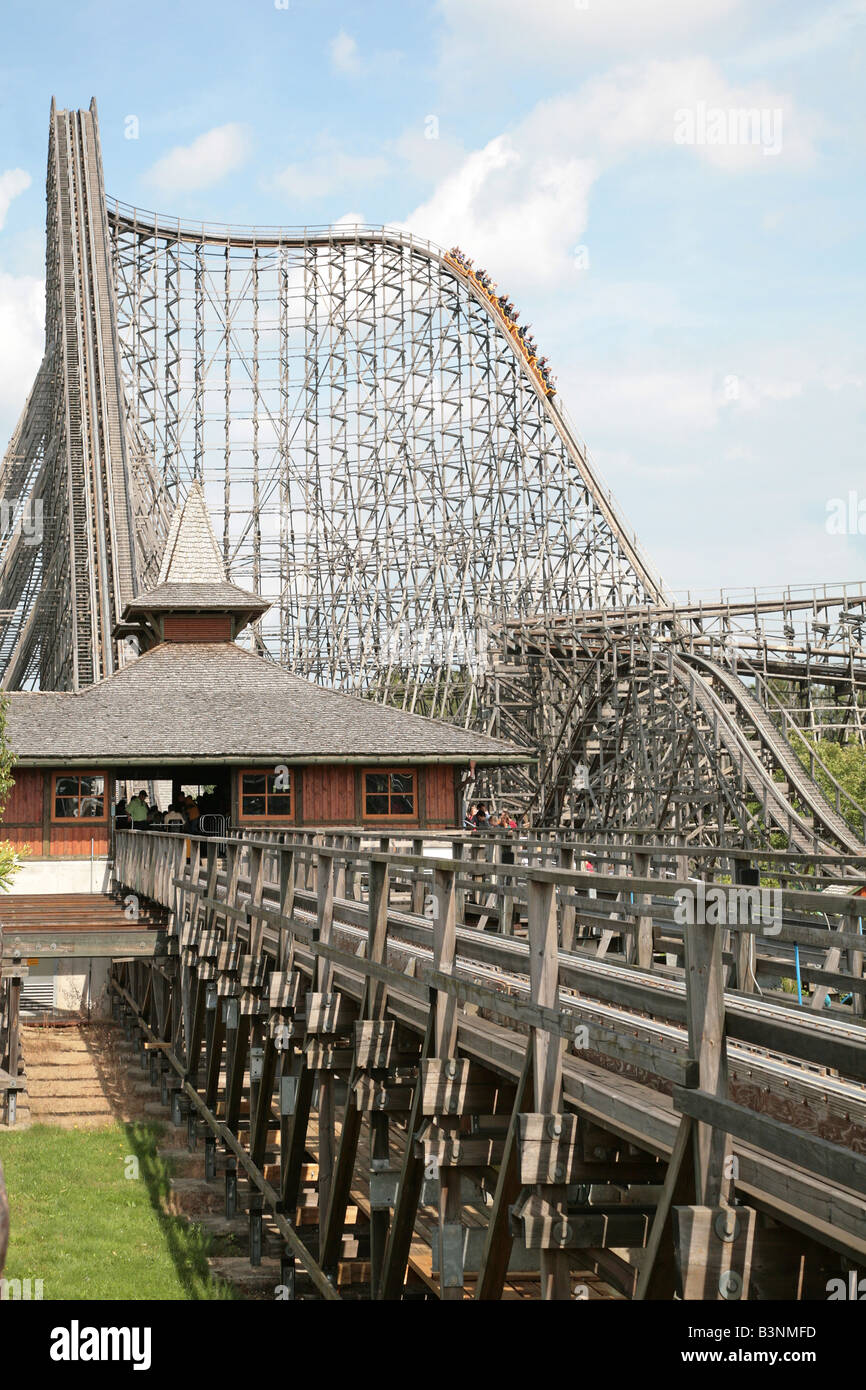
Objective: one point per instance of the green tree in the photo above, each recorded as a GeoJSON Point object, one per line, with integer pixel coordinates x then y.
{"type": "Point", "coordinates": [9, 857]}
{"type": "Point", "coordinates": [847, 763]}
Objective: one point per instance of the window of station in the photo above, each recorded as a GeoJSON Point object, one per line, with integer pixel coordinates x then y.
{"type": "Point", "coordinates": [266, 795]}
{"type": "Point", "coordinates": [389, 795]}
{"type": "Point", "coordinates": [78, 796]}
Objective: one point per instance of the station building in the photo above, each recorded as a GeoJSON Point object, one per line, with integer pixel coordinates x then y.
{"type": "Point", "coordinates": [196, 713]}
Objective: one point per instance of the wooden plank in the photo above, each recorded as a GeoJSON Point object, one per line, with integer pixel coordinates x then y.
{"type": "Point", "coordinates": [705, 1005]}
{"type": "Point", "coordinates": [817, 1156]}
{"type": "Point", "coordinates": [714, 1252]}
{"type": "Point", "coordinates": [547, 1057]}
{"type": "Point", "coordinates": [655, 1280]}
{"type": "Point", "coordinates": [493, 1266]}
{"type": "Point", "coordinates": [408, 1192]}
{"type": "Point", "coordinates": [368, 1034]}
{"type": "Point", "coordinates": [454, 1086]}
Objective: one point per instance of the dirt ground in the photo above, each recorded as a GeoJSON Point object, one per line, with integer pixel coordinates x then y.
{"type": "Point", "coordinates": [79, 1075]}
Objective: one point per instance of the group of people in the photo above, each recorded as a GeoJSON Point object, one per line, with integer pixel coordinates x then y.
{"type": "Point", "coordinates": [136, 814]}
{"type": "Point", "coordinates": [509, 313]}
{"type": "Point", "coordinates": [478, 818]}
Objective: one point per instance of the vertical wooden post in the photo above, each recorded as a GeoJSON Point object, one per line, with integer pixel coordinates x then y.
{"type": "Point", "coordinates": [490, 853]}
{"type": "Point", "coordinates": [547, 1059]}
{"type": "Point", "coordinates": [457, 848]}
{"type": "Point", "coordinates": [324, 976]}
{"type": "Point", "coordinates": [746, 942]}
{"type": "Point", "coordinates": [444, 1039]}
{"type": "Point", "coordinates": [418, 889]}
{"type": "Point", "coordinates": [353, 878]}
{"type": "Point", "coordinates": [444, 950]}
{"type": "Point", "coordinates": [506, 920]}
{"type": "Point", "coordinates": [374, 1008]}
{"type": "Point", "coordinates": [256, 885]}
{"type": "Point", "coordinates": [642, 940]}
{"type": "Point", "coordinates": [705, 1008]}
{"type": "Point", "coordinates": [568, 911]}
{"type": "Point", "coordinates": [288, 871]}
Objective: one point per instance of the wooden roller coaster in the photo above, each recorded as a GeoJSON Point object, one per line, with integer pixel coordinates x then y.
{"type": "Point", "coordinates": [527, 1079]}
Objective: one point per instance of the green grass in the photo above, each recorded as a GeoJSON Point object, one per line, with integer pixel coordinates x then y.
{"type": "Point", "coordinates": [89, 1231]}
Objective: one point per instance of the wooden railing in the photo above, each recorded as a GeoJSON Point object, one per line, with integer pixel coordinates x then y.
{"type": "Point", "coordinates": [12, 974]}
{"type": "Point", "coordinates": [436, 988]}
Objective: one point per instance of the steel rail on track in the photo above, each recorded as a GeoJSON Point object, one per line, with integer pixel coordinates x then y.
{"type": "Point", "coordinates": [701, 673]}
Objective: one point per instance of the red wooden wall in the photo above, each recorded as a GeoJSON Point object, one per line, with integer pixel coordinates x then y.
{"type": "Point", "coordinates": [24, 826]}
{"type": "Point", "coordinates": [73, 838]}
{"type": "Point", "coordinates": [439, 795]}
{"type": "Point", "coordinates": [22, 818]}
{"type": "Point", "coordinates": [24, 802]}
{"type": "Point", "coordinates": [323, 796]}
{"type": "Point", "coordinates": [327, 795]}
{"type": "Point", "coordinates": [197, 627]}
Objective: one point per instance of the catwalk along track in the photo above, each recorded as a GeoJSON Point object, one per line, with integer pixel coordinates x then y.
{"type": "Point", "coordinates": [440, 1071]}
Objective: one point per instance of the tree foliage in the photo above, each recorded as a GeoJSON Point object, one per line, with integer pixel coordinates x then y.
{"type": "Point", "coordinates": [847, 763]}
{"type": "Point", "coordinates": [9, 857]}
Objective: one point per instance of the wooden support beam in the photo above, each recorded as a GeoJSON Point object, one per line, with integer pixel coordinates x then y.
{"type": "Point", "coordinates": [705, 1008]}
{"type": "Point", "coordinates": [714, 1251]}
{"type": "Point", "coordinates": [497, 1246]}
{"type": "Point", "coordinates": [547, 1052]}
{"type": "Point", "coordinates": [797, 1146]}
{"type": "Point", "coordinates": [408, 1189]}
{"type": "Point", "coordinates": [656, 1279]}
{"type": "Point", "coordinates": [451, 1283]}
{"type": "Point", "coordinates": [324, 976]}
{"type": "Point", "coordinates": [373, 1009]}
{"type": "Point", "coordinates": [641, 951]}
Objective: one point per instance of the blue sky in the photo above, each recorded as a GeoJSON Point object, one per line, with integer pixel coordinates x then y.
{"type": "Point", "coordinates": [698, 287]}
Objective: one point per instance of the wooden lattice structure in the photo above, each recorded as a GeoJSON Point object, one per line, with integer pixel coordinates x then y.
{"type": "Point", "coordinates": [386, 467]}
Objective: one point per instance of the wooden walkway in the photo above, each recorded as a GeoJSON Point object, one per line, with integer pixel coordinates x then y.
{"type": "Point", "coordinates": [514, 1112]}
{"type": "Point", "coordinates": [78, 924]}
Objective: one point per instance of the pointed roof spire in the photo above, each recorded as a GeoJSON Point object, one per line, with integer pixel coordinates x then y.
{"type": "Point", "coordinates": [191, 554]}
{"type": "Point", "coordinates": [192, 576]}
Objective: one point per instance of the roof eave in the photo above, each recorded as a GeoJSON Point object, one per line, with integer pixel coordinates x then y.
{"type": "Point", "coordinates": [274, 759]}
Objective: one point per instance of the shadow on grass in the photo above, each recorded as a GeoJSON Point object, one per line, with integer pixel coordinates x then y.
{"type": "Point", "coordinates": [187, 1244]}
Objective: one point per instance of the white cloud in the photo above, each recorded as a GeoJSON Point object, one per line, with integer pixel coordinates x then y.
{"type": "Point", "coordinates": [520, 204]}
{"type": "Point", "coordinates": [22, 341]}
{"type": "Point", "coordinates": [668, 401]}
{"type": "Point", "coordinates": [207, 160]}
{"type": "Point", "coordinates": [12, 182]}
{"type": "Point", "coordinates": [344, 53]}
{"type": "Point", "coordinates": [513, 210]}
{"type": "Point", "coordinates": [330, 170]}
{"type": "Point", "coordinates": [485, 34]}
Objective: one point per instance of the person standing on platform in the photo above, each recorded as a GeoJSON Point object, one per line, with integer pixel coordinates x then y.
{"type": "Point", "coordinates": [137, 810]}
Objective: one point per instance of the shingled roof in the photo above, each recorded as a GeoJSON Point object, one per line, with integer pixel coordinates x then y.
{"type": "Point", "coordinates": [186, 701]}
{"type": "Point", "coordinates": [192, 555]}
{"type": "Point", "coordinates": [192, 575]}
{"type": "Point", "coordinates": [200, 701]}
{"type": "Point", "coordinates": [220, 597]}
